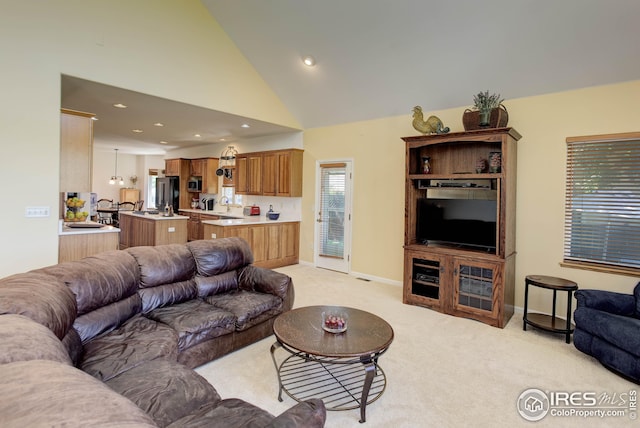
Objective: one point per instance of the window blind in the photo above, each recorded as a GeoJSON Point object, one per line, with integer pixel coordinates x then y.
{"type": "Point", "coordinates": [602, 207]}
{"type": "Point", "coordinates": [332, 185]}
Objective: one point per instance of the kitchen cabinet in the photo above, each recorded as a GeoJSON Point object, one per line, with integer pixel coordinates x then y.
{"type": "Point", "coordinates": [194, 224]}
{"type": "Point", "coordinates": [197, 167]}
{"type": "Point", "coordinates": [205, 168]}
{"type": "Point", "coordinates": [282, 173]}
{"type": "Point", "coordinates": [77, 245]}
{"type": "Point", "coordinates": [272, 244]}
{"type": "Point", "coordinates": [76, 150]}
{"type": "Point", "coordinates": [173, 167]}
{"type": "Point", "coordinates": [151, 229]}
{"type": "Point", "coordinates": [453, 274]}
{"type": "Point", "coordinates": [270, 173]}
{"type": "Point", "coordinates": [248, 173]}
{"type": "Point", "coordinates": [129, 195]}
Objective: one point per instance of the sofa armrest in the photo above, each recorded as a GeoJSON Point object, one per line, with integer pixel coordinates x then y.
{"type": "Point", "coordinates": [307, 414]}
{"type": "Point", "coordinates": [263, 280]}
{"type": "Point", "coordinates": [607, 301]}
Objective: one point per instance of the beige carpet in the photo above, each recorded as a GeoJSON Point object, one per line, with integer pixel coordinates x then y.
{"type": "Point", "coordinates": [442, 371]}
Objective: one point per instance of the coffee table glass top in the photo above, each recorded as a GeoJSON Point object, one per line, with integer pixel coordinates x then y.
{"type": "Point", "coordinates": [301, 329]}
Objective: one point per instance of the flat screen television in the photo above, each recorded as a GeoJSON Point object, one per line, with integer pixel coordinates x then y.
{"type": "Point", "coordinates": [464, 223]}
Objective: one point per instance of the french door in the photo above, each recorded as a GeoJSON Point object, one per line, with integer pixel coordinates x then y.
{"type": "Point", "coordinates": [333, 215]}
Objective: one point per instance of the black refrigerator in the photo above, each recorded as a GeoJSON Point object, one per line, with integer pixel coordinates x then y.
{"type": "Point", "coordinates": [167, 192]}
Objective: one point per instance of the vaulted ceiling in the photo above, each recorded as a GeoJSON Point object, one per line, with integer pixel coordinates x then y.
{"type": "Point", "coordinates": [379, 58]}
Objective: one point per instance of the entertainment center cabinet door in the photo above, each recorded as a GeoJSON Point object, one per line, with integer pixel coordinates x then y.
{"type": "Point", "coordinates": [478, 290]}
{"type": "Point", "coordinates": [425, 280]}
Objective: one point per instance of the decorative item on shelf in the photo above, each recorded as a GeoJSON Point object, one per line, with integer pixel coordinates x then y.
{"type": "Point", "coordinates": [489, 112]}
{"type": "Point", "coordinates": [495, 161]}
{"type": "Point", "coordinates": [432, 125]}
{"type": "Point", "coordinates": [481, 165]}
{"type": "Point", "coordinates": [426, 165]}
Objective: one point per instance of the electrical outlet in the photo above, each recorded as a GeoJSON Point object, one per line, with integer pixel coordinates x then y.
{"type": "Point", "coordinates": [214, 236]}
{"type": "Point", "coordinates": [37, 212]}
{"type": "Point", "coordinates": [171, 229]}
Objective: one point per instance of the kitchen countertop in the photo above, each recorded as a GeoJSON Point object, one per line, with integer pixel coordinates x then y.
{"type": "Point", "coordinates": [249, 220]}
{"type": "Point", "coordinates": [145, 214]}
{"type": "Point", "coordinates": [63, 229]}
{"type": "Point", "coordinates": [211, 212]}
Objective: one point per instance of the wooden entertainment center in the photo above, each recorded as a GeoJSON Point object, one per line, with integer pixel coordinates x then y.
{"type": "Point", "coordinates": [466, 266]}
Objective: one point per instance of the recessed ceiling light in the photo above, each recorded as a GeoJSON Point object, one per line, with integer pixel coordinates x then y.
{"type": "Point", "coordinates": [120, 105]}
{"type": "Point", "coordinates": [309, 61]}
{"type": "Point", "coordinates": [223, 139]}
{"type": "Point", "coordinates": [158, 124]}
{"type": "Point", "coordinates": [163, 142]}
{"type": "Point", "coordinates": [197, 135]}
{"type": "Point", "coordinates": [138, 131]}
{"type": "Point", "coordinates": [94, 118]}
{"type": "Point", "coordinates": [245, 125]}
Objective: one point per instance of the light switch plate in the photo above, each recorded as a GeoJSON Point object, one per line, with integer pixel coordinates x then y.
{"type": "Point", "coordinates": [37, 212]}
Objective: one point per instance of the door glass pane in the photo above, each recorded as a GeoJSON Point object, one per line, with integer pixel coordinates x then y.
{"type": "Point", "coordinates": [332, 195]}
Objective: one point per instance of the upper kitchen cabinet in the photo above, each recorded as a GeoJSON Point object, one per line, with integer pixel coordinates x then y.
{"type": "Point", "coordinates": [177, 167]}
{"type": "Point", "coordinates": [248, 174]}
{"type": "Point", "coordinates": [271, 173]}
{"type": "Point", "coordinates": [76, 150]}
{"type": "Point", "coordinates": [205, 168]}
{"type": "Point", "coordinates": [282, 173]}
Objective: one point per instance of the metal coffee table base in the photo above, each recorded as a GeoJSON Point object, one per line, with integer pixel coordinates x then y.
{"type": "Point", "coordinates": [341, 383]}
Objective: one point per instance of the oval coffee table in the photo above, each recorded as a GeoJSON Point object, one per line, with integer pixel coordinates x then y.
{"type": "Point", "coordinates": [341, 369]}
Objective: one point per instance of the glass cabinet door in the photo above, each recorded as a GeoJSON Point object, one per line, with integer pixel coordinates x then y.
{"type": "Point", "coordinates": [475, 286]}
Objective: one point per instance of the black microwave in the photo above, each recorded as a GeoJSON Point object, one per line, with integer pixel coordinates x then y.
{"type": "Point", "coordinates": [194, 185]}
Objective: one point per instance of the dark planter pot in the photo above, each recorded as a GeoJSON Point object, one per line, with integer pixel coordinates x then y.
{"type": "Point", "coordinates": [498, 119]}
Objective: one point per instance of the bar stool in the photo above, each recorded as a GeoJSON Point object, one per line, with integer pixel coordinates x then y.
{"type": "Point", "coordinates": [549, 322]}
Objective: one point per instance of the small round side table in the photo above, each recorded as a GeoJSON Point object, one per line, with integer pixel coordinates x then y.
{"type": "Point", "coordinates": [549, 322]}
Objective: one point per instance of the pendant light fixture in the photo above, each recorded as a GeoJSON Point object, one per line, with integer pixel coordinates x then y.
{"type": "Point", "coordinates": [115, 177]}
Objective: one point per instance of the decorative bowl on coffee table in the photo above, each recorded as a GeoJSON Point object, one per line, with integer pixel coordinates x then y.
{"type": "Point", "coordinates": [334, 321]}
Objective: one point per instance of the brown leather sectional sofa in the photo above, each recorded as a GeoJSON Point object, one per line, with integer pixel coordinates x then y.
{"type": "Point", "coordinates": [111, 340]}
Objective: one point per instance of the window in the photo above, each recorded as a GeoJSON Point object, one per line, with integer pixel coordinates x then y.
{"type": "Point", "coordinates": [602, 208]}
{"type": "Point", "coordinates": [151, 189]}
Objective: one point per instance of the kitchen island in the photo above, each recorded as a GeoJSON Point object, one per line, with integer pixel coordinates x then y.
{"type": "Point", "coordinates": [141, 228]}
{"type": "Point", "coordinates": [79, 240]}
{"type": "Point", "coordinates": [274, 243]}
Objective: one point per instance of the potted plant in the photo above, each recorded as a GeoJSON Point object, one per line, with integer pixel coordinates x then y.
{"type": "Point", "coordinates": [488, 112]}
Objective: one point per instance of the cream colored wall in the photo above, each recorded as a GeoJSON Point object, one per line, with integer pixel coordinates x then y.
{"type": "Point", "coordinates": [166, 48]}
{"type": "Point", "coordinates": [544, 122]}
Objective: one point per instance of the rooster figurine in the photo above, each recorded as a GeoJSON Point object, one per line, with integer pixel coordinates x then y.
{"type": "Point", "coordinates": [433, 125]}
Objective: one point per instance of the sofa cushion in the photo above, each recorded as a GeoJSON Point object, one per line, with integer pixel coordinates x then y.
{"type": "Point", "coordinates": [250, 308]}
{"type": "Point", "coordinates": [229, 413]}
{"type": "Point", "coordinates": [166, 390]}
{"type": "Point", "coordinates": [215, 256]}
{"type": "Point", "coordinates": [194, 321]}
{"type": "Point", "coordinates": [163, 264]}
{"type": "Point", "coordinates": [41, 297]}
{"type": "Point", "coordinates": [636, 294]}
{"type": "Point", "coordinates": [40, 393]}
{"type": "Point", "coordinates": [209, 285]}
{"type": "Point", "coordinates": [99, 280]}
{"type": "Point", "coordinates": [137, 341]}
{"type": "Point", "coordinates": [107, 318]}
{"type": "Point", "coordinates": [167, 294]}
{"type": "Point", "coordinates": [617, 330]}
{"type": "Point", "coordinates": [23, 339]}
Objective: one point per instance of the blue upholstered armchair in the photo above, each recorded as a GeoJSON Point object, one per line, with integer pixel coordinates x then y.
{"type": "Point", "coordinates": [608, 328]}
